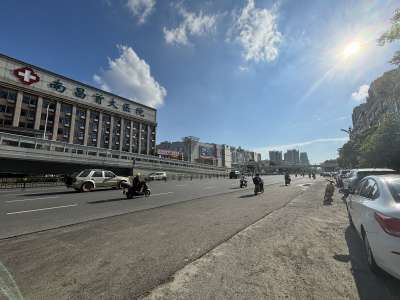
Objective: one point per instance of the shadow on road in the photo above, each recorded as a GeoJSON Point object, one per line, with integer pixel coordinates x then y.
{"type": "Point", "coordinates": [64, 192]}
{"type": "Point", "coordinates": [115, 199]}
{"type": "Point", "coordinates": [369, 285]}
{"type": "Point", "coordinates": [247, 196]}
{"type": "Point", "coordinates": [50, 193]}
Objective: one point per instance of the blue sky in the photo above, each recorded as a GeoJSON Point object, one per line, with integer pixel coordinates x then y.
{"type": "Point", "coordinates": [259, 74]}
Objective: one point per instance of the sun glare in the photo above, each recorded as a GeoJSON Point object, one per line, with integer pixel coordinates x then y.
{"type": "Point", "coordinates": [351, 49]}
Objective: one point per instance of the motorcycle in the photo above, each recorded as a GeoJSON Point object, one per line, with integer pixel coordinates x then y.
{"type": "Point", "coordinates": [143, 191]}
{"type": "Point", "coordinates": [243, 183]}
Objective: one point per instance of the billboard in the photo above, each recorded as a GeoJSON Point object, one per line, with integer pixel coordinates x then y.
{"type": "Point", "coordinates": [207, 152]}
{"type": "Point", "coordinates": [170, 153]}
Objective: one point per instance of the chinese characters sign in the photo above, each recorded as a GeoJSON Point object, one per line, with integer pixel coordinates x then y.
{"type": "Point", "coordinates": [28, 76]}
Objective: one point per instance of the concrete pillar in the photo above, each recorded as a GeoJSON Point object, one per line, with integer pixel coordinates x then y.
{"type": "Point", "coordinates": [86, 137]}
{"type": "Point", "coordinates": [56, 120]}
{"type": "Point", "coordinates": [131, 138]}
{"type": "Point", "coordinates": [17, 109]}
{"type": "Point", "coordinates": [140, 138]}
{"type": "Point", "coordinates": [148, 139]}
{"type": "Point", "coordinates": [111, 132]}
{"type": "Point", "coordinates": [99, 130]}
{"type": "Point", "coordinates": [122, 136]}
{"type": "Point", "coordinates": [72, 128]}
{"type": "Point", "coordinates": [38, 115]}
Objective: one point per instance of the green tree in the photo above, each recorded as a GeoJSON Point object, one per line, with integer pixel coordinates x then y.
{"type": "Point", "coordinates": [392, 35]}
{"type": "Point", "coordinates": [348, 155]}
{"type": "Point", "coordinates": [381, 148]}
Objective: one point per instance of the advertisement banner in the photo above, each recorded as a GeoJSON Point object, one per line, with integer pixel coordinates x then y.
{"type": "Point", "coordinates": [207, 152]}
{"type": "Point", "coordinates": [169, 153]}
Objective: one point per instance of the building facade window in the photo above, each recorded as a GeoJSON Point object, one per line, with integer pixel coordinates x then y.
{"type": "Point", "coordinates": [64, 125]}
{"type": "Point", "coordinates": [80, 123]}
{"type": "Point", "coordinates": [135, 137]}
{"type": "Point", "coordinates": [143, 141]}
{"type": "Point", "coordinates": [93, 128]}
{"type": "Point", "coordinates": [116, 134]}
{"type": "Point", "coordinates": [105, 131]}
{"type": "Point", "coordinates": [7, 106]}
{"type": "Point", "coordinates": [127, 136]}
{"type": "Point", "coordinates": [28, 111]}
{"type": "Point", "coordinates": [152, 140]}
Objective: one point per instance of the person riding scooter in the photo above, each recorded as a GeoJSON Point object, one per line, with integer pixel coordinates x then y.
{"type": "Point", "coordinates": [258, 184]}
{"type": "Point", "coordinates": [243, 181]}
{"type": "Point", "coordinates": [329, 191]}
{"type": "Point", "coordinates": [287, 178]}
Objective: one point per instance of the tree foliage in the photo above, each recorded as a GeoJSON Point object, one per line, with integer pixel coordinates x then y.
{"type": "Point", "coordinates": [392, 35]}
{"type": "Point", "coordinates": [379, 147]}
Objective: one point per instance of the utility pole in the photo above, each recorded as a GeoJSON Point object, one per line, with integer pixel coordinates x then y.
{"type": "Point", "coordinates": [45, 124]}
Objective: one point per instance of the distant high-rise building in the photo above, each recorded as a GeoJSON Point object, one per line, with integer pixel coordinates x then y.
{"type": "Point", "coordinates": [304, 158]}
{"type": "Point", "coordinates": [292, 156]}
{"type": "Point", "coordinates": [275, 156]}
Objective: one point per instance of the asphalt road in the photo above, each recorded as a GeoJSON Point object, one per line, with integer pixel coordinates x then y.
{"type": "Point", "coordinates": [33, 210]}
{"type": "Point", "coordinates": [126, 256]}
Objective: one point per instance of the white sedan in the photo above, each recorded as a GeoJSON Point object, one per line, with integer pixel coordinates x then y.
{"type": "Point", "coordinates": [374, 211]}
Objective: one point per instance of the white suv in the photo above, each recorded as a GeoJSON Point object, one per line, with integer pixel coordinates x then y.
{"type": "Point", "coordinates": [157, 176]}
{"type": "Point", "coordinates": [90, 179]}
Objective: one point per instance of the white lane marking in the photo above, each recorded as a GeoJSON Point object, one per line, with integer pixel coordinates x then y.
{"type": "Point", "coordinates": [31, 199]}
{"type": "Point", "coordinates": [31, 192]}
{"type": "Point", "coordinates": [162, 194]}
{"type": "Point", "coordinates": [40, 209]}
{"type": "Point", "coordinates": [209, 187]}
{"type": "Point", "coordinates": [181, 185]}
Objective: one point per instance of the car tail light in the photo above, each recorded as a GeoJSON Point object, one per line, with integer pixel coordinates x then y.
{"type": "Point", "coordinates": [389, 225]}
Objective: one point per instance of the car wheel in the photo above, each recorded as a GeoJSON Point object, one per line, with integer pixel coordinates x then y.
{"type": "Point", "coordinates": [121, 183]}
{"type": "Point", "coordinates": [87, 187]}
{"type": "Point", "coordinates": [370, 257]}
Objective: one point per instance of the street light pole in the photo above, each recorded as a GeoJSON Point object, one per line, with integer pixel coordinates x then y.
{"type": "Point", "coordinates": [45, 123]}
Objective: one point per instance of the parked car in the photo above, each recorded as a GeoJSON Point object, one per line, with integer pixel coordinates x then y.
{"type": "Point", "coordinates": [157, 176]}
{"type": "Point", "coordinates": [340, 176]}
{"type": "Point", "coordinates": [355, 176]}
{"type": "Point", "coordinates": [90, 179]}
{"type": "Point", "coordinates": [234, 174]}
{"type": "Point", "coordinates": [374, 211]}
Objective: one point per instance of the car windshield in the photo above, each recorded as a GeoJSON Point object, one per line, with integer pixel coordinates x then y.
{"type": "Point", "coordinates": [394, 187]}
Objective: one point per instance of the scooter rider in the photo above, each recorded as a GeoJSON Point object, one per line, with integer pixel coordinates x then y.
{"type": "Point", "coordinates": [136, 183]}
{"type": "Point", "coordinates": [243, 181]}
{"type": "Point", "coordinates": [257, 180]}
{"type": "Point", "coordinates": [287, 178]}
{"type": "Point", "coordinates": [329, 191]}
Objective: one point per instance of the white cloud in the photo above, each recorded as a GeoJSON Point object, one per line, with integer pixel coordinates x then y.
{"type": "Point", "coordinates": [301, 144]}
{"type": "Point", "coordinates": [141, 8]}
{"type": "Point", "coordinates": [129, 76]}
{"type": "Point", "coordinates": [256, 31]}
{"type": "Point", "coordinates": [191, 25]}
{"type": "Point", "coordinates": [361, 94]}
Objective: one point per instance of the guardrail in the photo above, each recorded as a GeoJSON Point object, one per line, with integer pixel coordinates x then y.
{"type": "Point", "coordinates": [30, 182]}
{"type": "Point", "coordinates": [61, 149]}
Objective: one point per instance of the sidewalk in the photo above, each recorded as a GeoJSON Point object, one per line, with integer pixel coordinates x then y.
{"type": "Point", "coordinates": [302, 251]}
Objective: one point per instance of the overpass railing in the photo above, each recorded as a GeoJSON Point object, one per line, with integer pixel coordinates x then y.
{"type": "Point", "coordinates": [87, 152]}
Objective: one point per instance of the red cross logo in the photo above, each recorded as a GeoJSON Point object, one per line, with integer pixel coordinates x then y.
{"type": "Point", "coordinates": [26, 75]}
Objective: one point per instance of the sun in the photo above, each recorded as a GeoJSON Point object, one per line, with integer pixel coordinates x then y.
{"type": "Point", "coordinates": [351, 49]}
